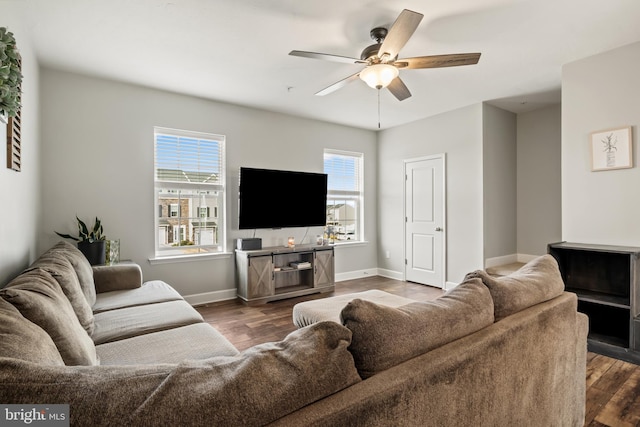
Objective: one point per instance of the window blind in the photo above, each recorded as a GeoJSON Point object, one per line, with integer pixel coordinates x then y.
{"type": "Point", "coordinates": [188, 157]}
{"type": "Point", "coordinates": [343, 171]}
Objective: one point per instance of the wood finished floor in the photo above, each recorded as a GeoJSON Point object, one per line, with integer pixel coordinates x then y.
{"type": "Point", "coordinates": [613, 386]}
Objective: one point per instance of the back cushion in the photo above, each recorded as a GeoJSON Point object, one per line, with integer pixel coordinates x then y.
{"type": "Point", "coordinates": [24, 340]}
{"type": "Point", "coordinates": [64, 273]}
{"type": "Point", "coordinates": [537, 281]}
{"type": "Point", "coordinates": [254, 388]}
{"type": "Point", "coordinates": [384, 336]}
{"type": "Point", "coordinates": [260, 385]}
{"type": "Point", "coordinates": [39, 298]}
{"type": "Point", "coordinates": [81, 266]}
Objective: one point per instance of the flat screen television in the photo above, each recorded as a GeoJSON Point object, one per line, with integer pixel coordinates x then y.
{"type": "Point", "coordinates": [279, 199]}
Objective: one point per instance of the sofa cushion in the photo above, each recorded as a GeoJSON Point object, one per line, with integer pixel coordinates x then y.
{"type": "Point", "coordinates": [97, 395]}
{"type": "Point", "coordinates": [81, 266]}
{"type": "Point", "coordinates": [24, 340]}
{"type": "Point", "coordinates": [39, 298]}
{"type": "Point", "coordinates": [258, 386]}
{"type": "Point", "coordinates": [151, 292]}
{"type": "Point", "coordinates": [537, 281]}
{"type": "Point", "coordinates": [64, 273]}
{"type": "Point", "coordinates": [254, 388]}
{"type": "Point", "coordinates": [117, 277]}
{"type": "Point", "coordinates": [197, 341]}
{"type": "Point", "coordinates": [129, 322]}
{"type": "Point", "coordinates": [385, 336]}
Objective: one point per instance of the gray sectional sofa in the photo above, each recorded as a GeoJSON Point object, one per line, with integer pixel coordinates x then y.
{"type": "Point", "coordinates": [507, 351]}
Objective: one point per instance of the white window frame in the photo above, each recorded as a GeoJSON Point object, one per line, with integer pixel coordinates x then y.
{"type": "Point", "coordinates": [356, 195]}
{"type": "Point", "coordinates": [178, 185]}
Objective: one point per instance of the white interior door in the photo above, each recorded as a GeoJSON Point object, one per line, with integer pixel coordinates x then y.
{"type": "Point", "coordinates": [425, 220]}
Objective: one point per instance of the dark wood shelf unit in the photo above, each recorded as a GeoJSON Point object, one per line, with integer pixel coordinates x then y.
{"type": "Point", "coordinates": [601, 298]}
{"type": "Point", "coordinates": [607, 281]}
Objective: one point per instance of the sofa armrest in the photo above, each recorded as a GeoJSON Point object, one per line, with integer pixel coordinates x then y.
{"type": "Point", "coordinates": [117, 277]}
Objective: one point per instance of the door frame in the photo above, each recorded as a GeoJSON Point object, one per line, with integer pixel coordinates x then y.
{"type": "Point", "coordinates": [443, 157]}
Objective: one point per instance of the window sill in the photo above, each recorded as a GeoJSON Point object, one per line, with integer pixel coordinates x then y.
{"type": "Point", "coordinates": [188, 258]}
{"type": "Point", "coordinates": [350, 244]}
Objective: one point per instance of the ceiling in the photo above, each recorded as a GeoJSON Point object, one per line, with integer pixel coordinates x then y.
{"type": "Point", "coordinates": [237, 50]}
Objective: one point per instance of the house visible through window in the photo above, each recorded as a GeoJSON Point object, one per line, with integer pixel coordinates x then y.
{"type": "Point", "coordinates": [189, 187]}
{"type": "Point", "coordinates": [344, 195]}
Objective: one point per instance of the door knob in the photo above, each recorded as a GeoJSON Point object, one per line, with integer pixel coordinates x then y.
{"type": "Point", "coordinates": [438, 229]}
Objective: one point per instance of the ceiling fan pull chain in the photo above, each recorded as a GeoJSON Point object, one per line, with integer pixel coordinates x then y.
{"type": "Point", "coordinates": [378, 108]}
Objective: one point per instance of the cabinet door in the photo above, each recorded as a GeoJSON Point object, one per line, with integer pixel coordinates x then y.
{"type": "Point", "coordinates": [260, 272]}
{"type": "Point", "coordinates": [323, 268]}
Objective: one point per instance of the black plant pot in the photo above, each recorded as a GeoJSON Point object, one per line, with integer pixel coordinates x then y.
{"type": "Point", "coordinates": [95, 252]}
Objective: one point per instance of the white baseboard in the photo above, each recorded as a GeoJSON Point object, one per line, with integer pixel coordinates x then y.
{"type": "Point", "coordinates": [390, 274]}
{"type": "Point", "coordinates": [526, 258]}
{"type": "Point", "coordinates": [358, 274]}
{"type": "Point", "coordinates": [208, 297]}
{"type": "Point", "coordinates": [500, 260]}
{"type": "Point", "coordinates": [508, 259]}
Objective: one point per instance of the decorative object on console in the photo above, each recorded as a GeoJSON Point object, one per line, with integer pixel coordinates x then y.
{"type": "Point", "coordinates": [112, 252]}
{"type": "Point", "coordinates": [249, 244]}
{"type": "Point", "coordinates": [611, 149]}
{"type": "Point", "coordinates": [91, 243]}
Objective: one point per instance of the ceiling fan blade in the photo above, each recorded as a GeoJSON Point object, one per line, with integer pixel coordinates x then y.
{"type": "Point", "coordinates": [438, 61]}
{"type": "Point", "coordinates": [338, 85]}
{"type": "Point", "coordinates": [399, 89]}
{"type": "Point", "coordinates": [399, 33]}
{"type": "Point", "coordinates": [326, 57]}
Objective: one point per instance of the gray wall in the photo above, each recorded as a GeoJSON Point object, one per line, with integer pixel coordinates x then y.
{"type": "Point", "coordinates": [600, 92]}
{"type": "Point", "coordinates": [539, 181]}
{"type": "Point", "coordinates": [499, 181]}
{"type": "Point", "coordinates": [98, 146]}
{"type": "Point", "coordinates": [21, 190]}
{"type": "Point", "coordinates": [458, 134]}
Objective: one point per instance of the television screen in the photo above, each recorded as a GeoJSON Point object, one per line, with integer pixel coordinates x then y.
{"type": "Point", "coordinates": [276, 199]}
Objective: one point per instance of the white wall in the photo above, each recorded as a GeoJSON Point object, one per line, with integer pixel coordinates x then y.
{"type": "Point", "coordinates": [458, 134]}
{"type": "Point", "coordinates": [499, 181]}
{"type": "Point", "coordinates": [539, 180]}
{"type": "Point", "coordinates": [600, 92]}
{"type": "Point", "coordinates": [20, 190]}
{"type": "Point", "coordinates": [98, 146]}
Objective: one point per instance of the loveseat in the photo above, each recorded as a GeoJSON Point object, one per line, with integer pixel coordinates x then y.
{"type": "Point", "coordinates": [493, 351]}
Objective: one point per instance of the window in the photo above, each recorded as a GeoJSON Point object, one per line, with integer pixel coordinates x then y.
{"type": "Point", "coordinates": [344, 195]}
{"type": "Point", "coordinates": [203, 212]}
{"type": "Point", "coordinates": [189, 182]}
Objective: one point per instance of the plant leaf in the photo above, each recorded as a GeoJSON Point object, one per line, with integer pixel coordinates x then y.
{"type": "Point", "coordinates": [67, 236]}
{"type": "Point", "coordinates": [82, 229]}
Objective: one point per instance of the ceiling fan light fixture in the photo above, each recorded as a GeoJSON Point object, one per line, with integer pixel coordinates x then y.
{"type": "Point", "coordinates": [379, 76]}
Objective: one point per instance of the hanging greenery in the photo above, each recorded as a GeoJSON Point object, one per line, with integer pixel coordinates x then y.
{"type": "Point", "coordinates": [10, 75]}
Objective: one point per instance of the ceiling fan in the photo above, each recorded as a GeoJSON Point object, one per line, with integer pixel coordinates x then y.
{"type": "Point", "coordinates": [382, 66]}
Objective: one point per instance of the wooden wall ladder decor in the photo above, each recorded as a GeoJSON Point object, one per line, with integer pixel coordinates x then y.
{"type": "Point", "coordinates": [14, 136]}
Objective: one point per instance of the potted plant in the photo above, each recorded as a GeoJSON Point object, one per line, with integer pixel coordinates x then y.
{"type": "Point", "coordinates": [10, 75]}
{"type": "Point", "coordinates": [91, 243]}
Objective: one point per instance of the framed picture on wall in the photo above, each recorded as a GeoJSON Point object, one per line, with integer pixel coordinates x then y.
{"type": "Point", "coordinates": [611, 149]}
